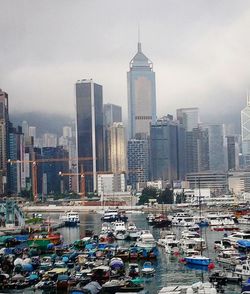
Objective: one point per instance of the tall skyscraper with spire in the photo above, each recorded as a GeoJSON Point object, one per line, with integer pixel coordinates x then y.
{"type": "Point", "coordinates": [245, 132]}
{"type": "Point", "coordinates": [141, 95]}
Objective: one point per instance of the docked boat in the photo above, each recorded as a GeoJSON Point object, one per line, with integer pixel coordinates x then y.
{"type": "Point", "coordinates": [70, 218]}
{"type": "Point", "coordinates": [230, 257]}
{"type": "Point", "coordinates": [42, 241]}
{"type": "Point", "coordinates": [199, 287]}
{"type": "Point", "coordinates": [133, 270]}
{"type": "Point", "coordinates": [134, 233]}
{"type": "Point", "coordinates": [198, 260]}
{"type": "Point", "coordinates": [147, 268]}
{"type": "Point", "coordinates": [171, 247]}
{"type": "Point", "coordinates": [237, 236]}
{"type": "Point", "coordinates": [146, 240]}
{"type": "Point", "coordinates": [112, 215]}
{"type": "Point", "coordinates": [120, 231]}
{"type": "Point", "coordinates": [243, 270]}
{"type": "Point", "coordinates": [244, 220]}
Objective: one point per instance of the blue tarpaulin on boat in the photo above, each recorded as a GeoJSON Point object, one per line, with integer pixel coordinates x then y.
{"type": "Point", "coordinates": [244, 243]}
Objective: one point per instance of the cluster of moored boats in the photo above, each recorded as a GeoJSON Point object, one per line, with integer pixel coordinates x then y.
{"type": "Point", "coordinates": [103, 264]}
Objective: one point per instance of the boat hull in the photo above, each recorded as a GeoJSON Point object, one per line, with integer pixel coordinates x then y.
{"type": "Point", "coordinates": [198, 261]}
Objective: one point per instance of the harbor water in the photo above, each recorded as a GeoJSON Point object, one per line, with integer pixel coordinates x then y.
{"type": "Point", "coordinates": [169, 270]}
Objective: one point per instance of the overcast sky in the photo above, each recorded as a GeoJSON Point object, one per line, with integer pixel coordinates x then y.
{"type": "Point", "coordinates": [200, 50]}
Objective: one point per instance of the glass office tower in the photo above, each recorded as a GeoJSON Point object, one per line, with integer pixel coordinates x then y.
{"type": "Point", "coordinates": [89, 120]}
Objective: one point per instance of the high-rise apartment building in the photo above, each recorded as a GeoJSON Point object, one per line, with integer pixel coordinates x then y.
{"type": "Point", "coordinates": [188, 117]}
{"type": "Point", "coordinates": [4, 124]}
{"type": "Point", "coordinates": [90, 143]}
{"type": "Point", "coordinates": [245, 133]}
{"type": "Point", "coordinates": [49, 140]}
{"type": "Point", "coordinates": [138, 161]}
{"type": "Point", "coordinates": [141, 95]}
{"type": "Point", "coordinates": [167, 139]}
{"type": "Point", "coordinates": [67, 132]}
{"type": "Point", "coordinates": [217, 147]}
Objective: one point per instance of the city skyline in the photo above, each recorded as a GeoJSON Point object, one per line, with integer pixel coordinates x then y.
{"type": "Point", "coordinates": [196, 59]}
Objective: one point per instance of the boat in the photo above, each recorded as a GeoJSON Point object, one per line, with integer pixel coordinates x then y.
{"type": "Point", "coordinates": [243, 270]}
{"type": "Point", "coordinates": [199, 287]}
{"type": "Point", "coordinates": [237, 236]}
{"type": "Point", "coordinates": [160, 221]}
{"type": "Point", "coordinates": [120, 231]}
{"type": "Point", "coordinates": [70, 218]}
{"type": "Point", "coordinates": [198, 260]}
{"type": "Point", "coordinates": [146, 240]}
{"type": "Point", "coordinates": [244, 220]}
{"type": "Point", "coordinates": [134, 233]}
{"type": "Point", "coordinates": [147, 268]}
{"type": "Point", "coordinates": [230, 257]}
{"type": "Point", "coordinates": [112, 215]}
{"type": "Point", "coordinates": [171, 247]}
{"type": "Point", "coordinates": [133, 270]}
{"type": "Point", "coordinates": [42, 241]}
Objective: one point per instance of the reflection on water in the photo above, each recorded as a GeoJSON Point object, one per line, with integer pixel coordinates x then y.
{"type": "Point", "coordinates": [169, 270]}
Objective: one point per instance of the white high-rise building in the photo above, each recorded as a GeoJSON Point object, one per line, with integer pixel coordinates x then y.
{"type": "Point", "coordinates": [141, 95]}
{"type": "Point", "coordinates": [245, 133]}
{"type": "Point", "coordinates": [67, 132]}
{"type": "Point", "coordinates": [32, 132]}
{"type": "Point", "coordinates": [49, 140]}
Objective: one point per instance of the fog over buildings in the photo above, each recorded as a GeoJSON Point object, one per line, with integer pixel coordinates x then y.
{"type": "Point", "coordinates": [200, 52]}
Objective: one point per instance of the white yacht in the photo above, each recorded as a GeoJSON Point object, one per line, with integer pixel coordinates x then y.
{"type": "Point", "coordinates": [134, 233]}
{"type": "Point", "coordinates": [244, 220]}
{"type": "Point", "coordinates": [146, 240]}
{"type": "Point", "coordinates": [242, 235]}
{"type": "Point", "coordinates": [243, 270]}
{"type": "Point", "coordinates": [120, 230]}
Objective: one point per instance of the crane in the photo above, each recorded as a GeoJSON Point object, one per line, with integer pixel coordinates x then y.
{"type": "Point", "coordinates": [35, 162]}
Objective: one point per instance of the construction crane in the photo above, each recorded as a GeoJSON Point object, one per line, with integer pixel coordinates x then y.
{"type": "Point", "coordinates": [35, 162]}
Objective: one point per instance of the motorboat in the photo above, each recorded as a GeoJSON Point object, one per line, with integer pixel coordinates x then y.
{"type": "Point", "coordinates": [199, 287]}
{"type": "Point", "coordinates": [134, 233]}
{"type": "Point", "coordinates": [230, 257]}
{"type": "Point", "coordinates": [198, 260]}
{"type": "Point", "coordinates": [112, 215]}
{"type": "Point", "coordinates": [146, 240]}
{"type": "Point", "coordinates": [70, 218]}
{"type": "Point", "coordinates": [133, 270]}
{"type": "Point", "coordinates": [147, 268]}
{"type": "Point", "coordinates": [169, 236]}
{"type": "Point", "coordinates": [241, 235]}
{"type": "Point", "coordinates": [244, 220]}
{"type": "Point", "coordinates": [171, 247]}
{"type": "Point", "coordinates": [120, 230]}
{"type": "Point", "coordinates": [243, 270]}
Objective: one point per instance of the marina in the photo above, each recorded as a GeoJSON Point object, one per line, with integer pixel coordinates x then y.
{"type": "Point", "coordinates": [89, 252]}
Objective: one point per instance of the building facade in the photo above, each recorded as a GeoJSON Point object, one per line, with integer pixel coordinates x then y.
{"type": "Point", "coordinates": [245, 133]}
{"type": "Point", "coordinates": [118, 148]}
{"type": "Point", "coordinates": [138, 161]}
{"type": "Point", "coordinates": [217, 147]}
{"type": "Point", "coordinates": [197, 150]}
{"type": "Point", "coordinates": [4, 125]}
{"type": "Point", "coordinates": [89, 130]}
{"type": "Point", "coordinates": [167, 139]}
{"type": "Point", "coordinates": [141, 96]}
{"type": "Point", "coordinates": [233, 152]}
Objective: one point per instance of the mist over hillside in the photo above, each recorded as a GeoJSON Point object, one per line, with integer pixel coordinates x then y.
{"type": "Point", "coordinates": [44, 122]}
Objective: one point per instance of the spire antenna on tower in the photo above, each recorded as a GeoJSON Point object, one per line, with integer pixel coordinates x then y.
{"type": "Point", "coordinates": [139, 38]}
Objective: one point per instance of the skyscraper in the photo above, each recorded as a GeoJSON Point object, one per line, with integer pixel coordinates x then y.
{"type": "Point", "coordinates": [167, 143]}
{"type": "Point", "coordinates": [4, 123]}
{"type": "Point", "coordinates": [118, 150]}
{"type": "Point", "coordinates": [188, 117]}
{"type": "Point", "coordinates": [217, 147]}
{"type": "Point", "coordinates": [232, 152]}
{"type": "Point", "coordinates": [112, 113]}
{"type": "Point", "coordinates": [138, 161]}
{"type": "Point", "coordinates": [245, 133]}
{"type": "Point", "coordinates": [89, 120]}
{"type": "Point", "coordinates": [141, 95]}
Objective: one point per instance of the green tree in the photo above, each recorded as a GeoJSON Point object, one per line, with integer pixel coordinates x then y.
{"type": "Point", "coordinates": [166, 197]}
{"type": "Point", "coordinates": [147, 193]}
